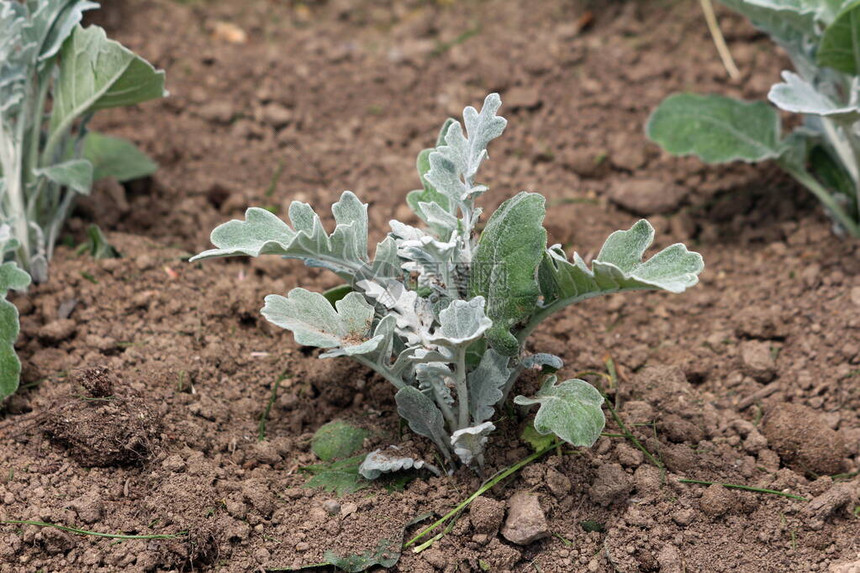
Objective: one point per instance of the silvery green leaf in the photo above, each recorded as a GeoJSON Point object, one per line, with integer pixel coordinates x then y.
{"type": "Point", "coordinates": [716, 129]}
{"type": "Point", "coordinates": [262, 233]}
{"type": "Point", "coordinates": [543, 361]}
{"type": "Point", "coordinates": [454, 165]}
{"type": "Point", "coordinates": [435, 379]}
{"type": "Point", "coordinates": [423, 416]}
{"type": "Point", "coordinates": [314, 322]}
{"type": "Point", "coordinates": [380, 462]}
{"type": "Point", "coordinates": [468, 443]}
{"type": "Point", "coordinates": [799, 96]}
{"type": "Point", "coordinates": [76, 174]}
{"type": "Point", "coordinates": [618, 267]}
{"type": "Point", "coordinates": [840, 45]}
{"type": "Point", "coordinates": [571, 410]}
{"type": "Point", "coordinates": [11, 278]}
{"type": "Point", "coordinates": [53, 21]}
{"type": "Point", "coordinates": [462, 322]}
{"type": "Point", "coordinates": [486, 384]}
{"type": "Point", "coordinates": [795, 30]}
{"type": "Point", "coordinates": [505, 264]}
{"type": "Point", "coordinates": [97, 73]}
{"type": "Point", "coordinates": [116, 157]}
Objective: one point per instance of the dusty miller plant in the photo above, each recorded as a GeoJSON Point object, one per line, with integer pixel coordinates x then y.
{"type": "Point", "coordinates": [443, 312]}
{"type": "Point", "coordinates": [822, 38]}
{"type": "Point", "coordinates": [54, 75]}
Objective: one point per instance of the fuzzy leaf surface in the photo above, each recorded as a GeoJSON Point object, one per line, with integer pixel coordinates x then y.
{"type": "Point", "coordinates": [340, 477]}
{"type": "Point", "coordinates": [505, 264]}
{"type": "Point", "coordinates": [840, 45]}
{"type": "Point", "coordinates": [571, 410]}
{"type": "Point", "coordinates": [618, 267]}
{"type": "Point", "coordinates": [314, 322]}
{"type": "Point", "coordinates": [462, 322]}
{"type": "Point", "coordinates": [486, 383]}
{"type": "Point", "coordinates": [336, 440]}
{"type": "Point", "coordinates": [716, 129]}
{"type": "Point", "coordinates": [468, 443]}
{"type": "Point", "coordinates": [423, 416]}
{"type": "Point", "coordinates": [380, 462]}
{"type": "Point", "coordinates": [263, 233]}
{"type": "Point", "coordinates": [11, 278]}
{"type": "Point", "coordinates": [799, 96]}
{"type": "Point", "coordinates": [76, 174]}
{"type": "Point", "coordinates": [97, 73]}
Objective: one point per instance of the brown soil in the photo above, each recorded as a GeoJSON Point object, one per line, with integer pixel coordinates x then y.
{"type": "Point", "coordinates": [163, 437]}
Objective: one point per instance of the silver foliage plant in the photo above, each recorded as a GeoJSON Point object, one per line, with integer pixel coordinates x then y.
{"type": "Point", "coordinates": [822, 38]}
{"type": "Point", "coordinates": [443, 312]}
{"type": "Point", "coordinates": [54, 75]}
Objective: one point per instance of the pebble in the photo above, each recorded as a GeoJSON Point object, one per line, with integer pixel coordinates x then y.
{"type": "Point", "coordinates": [647, 196]}
{"type": "Point", "coordinates": [58, 330]}
{"type": "Point", "coordinates": [331, 506]}
{"type": "Point", "coordinates": [612, 484]}
{"type": "Point", "coordinates": [526, 521]}
{"type": "Point", "coordinates": [277, 115]}
{"type": "Point", "coordinates": [757, 360]}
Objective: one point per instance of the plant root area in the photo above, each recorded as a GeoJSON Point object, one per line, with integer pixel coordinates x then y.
{"type": "Point", "coordinates": [146, 377]}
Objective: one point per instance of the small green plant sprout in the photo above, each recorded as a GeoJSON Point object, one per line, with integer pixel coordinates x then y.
{"type": "Point", "coordinates": [823, 41]}
{"type": "Point", "coordinates": [54, 75]}
{"type": "Point", "coordinates": [443, 312]}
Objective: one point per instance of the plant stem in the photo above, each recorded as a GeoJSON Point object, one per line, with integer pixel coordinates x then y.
{"type": "Point", "coordinates": [261, 427]}
{"type": "Point", "coordinates": [745, 488]}
{"type": "Point", "coordinates": [719, 40]}
{"type": "Point", "coordinates": [629, 435]}
{"type": "Point", "coordinates": [93, 533]}
{"type": "Point", "coordinates": [488, 485]}
{"type": "Point", "coordinates": [804, 178]}
{"type": "Point", "coordinates": [462, 389]}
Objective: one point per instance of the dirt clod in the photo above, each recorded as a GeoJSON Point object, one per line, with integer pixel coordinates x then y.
{"type": "Point", "coordinates": [486, 515]}
{"type": "Point", "coordinates": [526, 522]}
{"type": "Point", "coordinates": [612, 485]}
{"type": "Point", "coordinates": [803, 440]}
{"type": "Point", "coordinates": [647, 196]}
{"type": "Point", "coordinates": [757, 360]}
{"type": "Point", "coordinates": [839, 496]}
{"type": "Point", "coordinates": [717, 500]}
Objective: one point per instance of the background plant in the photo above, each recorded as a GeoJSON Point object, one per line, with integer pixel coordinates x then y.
{"type": "Point", "coordinates": [444, 313]}
{"type": "Point", "coordinates": [54, 75]}
{"type": "Point", "coordinates": [822, 38]}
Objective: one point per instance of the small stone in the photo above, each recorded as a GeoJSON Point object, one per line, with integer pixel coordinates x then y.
{"type": "Point", "coordinates": [583, 162]}
{"type": "Point", "coordinates": [841, 495]}
{"type": "Point", "coordinates": [486, 515]}
{"type": "Point", "coordinates": [611, 485]}
{"type": "Point", "coordinates": [331, 506]}
{"type": "Point", "coordinates": [717, 500]}
{"type": "Point", "coordinates": [217, 112]}
{"type": "Point", "coordinates": [853, 567]}
{"type": "Point", "coordinates": [277, 115]}
{"type": "Point", "coordinates": [757, 360]}
{"type": "Point", "coordinates": [302, 546]}
{"type": "Point", "coordinates": [264, 453]}
{"type": "Point", "coordinates": [803, 440]}
{"type": "Point", "coordinates": [348, 509]}
{"type": "Point", "coordinates": [89, 507]}
{"type": "Point", "coordinates": [526, 522]}
{"type": "Point", "coordinates": [647, 196]}
{"type": "Point", "coordinates": [522, 97]}
{"type": "Point", "coordinates": [57, 330]}
{"type": "Point", "coordinates": [684, 517]}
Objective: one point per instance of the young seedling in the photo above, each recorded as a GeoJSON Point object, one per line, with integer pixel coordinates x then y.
{"type": "Point", "coordinates": [823, 41]}
{"type": "Point", "coordinates": [54, 75]}
{"type": "Point", "coordinates": [444, 312]}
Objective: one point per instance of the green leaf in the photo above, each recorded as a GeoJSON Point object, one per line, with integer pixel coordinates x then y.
{"type": "Point", "coordinates": [262, 233]}
{"type": "Point", "coordinates": [840, 45]}
{"type": "Point", "coordinates": [618, 267]}
{"type": "Point", "coordinates": [428, 195]}
{"type": "Point", "coordinates": [314, 322]}
{"type": "Point", "coordinates": [385, 555]}
{"type": "Point", "coordinates": [832, 174]}
{"type": "Point", "coordinates": [537, 441]}
{"type": "Point", "coordinates": [379, 462]}
{"type": "Point", "coordinates": [790, 23]}
{"type": "Point", "coordinates": [337, 293]}
{"type": "Point", "coordinates": [423, 416]}
{"type": "Point", "coordinates": [486, 384]}
{"type": "Point", "coordinates": [505, 264]}
{"type": "Point", "coordinates": [76, 174]}
{"type": "Point", "coordinates": [571, 410]}
{"type": "Point", "coordinates": [462, 322]}
{"type": "Point", "coordinates": [799, 96]}
{"type": "Point", "coordinates": [98, 245]}
{"type": "Point", "coordinates": [336, 440]}
{"type": "Point", "coordinates": [11, 277]}
{"type": "Point", "coordinates": [717, 129]}
{"type": "Point", "coordinates": [96, 73]}
{"type": "Point", "coordinates": [340, 477]}
{"type": "Point", "coordinates": [116, 157]}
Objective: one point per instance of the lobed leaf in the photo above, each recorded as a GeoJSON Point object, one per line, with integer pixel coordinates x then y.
{"type": "Point", "coordinates": [618, 267]}
{"type": "Point", "coordinates": [462, 322]}
{"type": "Point", "coordinates": [336, 440]}
{"type": "Point", "coordinates": [571, 410]}
{"type": "Point", "coordinates": [799, 96]}
{"type": "Point", "coordinates": [423, 416]}
{"type": "Point", "coordinates": [116, 157]}
{"type": "Point", "coordinates": [340, 477]}
{"type": "Point", "coordinates": [263, 233]}
{"type": "Point", "coordinates": [716, 129]}
{"type": "Point", "coordinates": [468, 443]}
{"type": "Point", "coordinates": [486, 385]}
{"type": "Point", "coordinates": [11, 278]}
{"type": "Point", "coordinates": [505, 264]}
{"type": "Point", "coordinates": [378, 462]}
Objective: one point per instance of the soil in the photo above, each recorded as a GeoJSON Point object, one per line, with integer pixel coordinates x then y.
{"type": "Point", "coordinates": [145, 377]}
